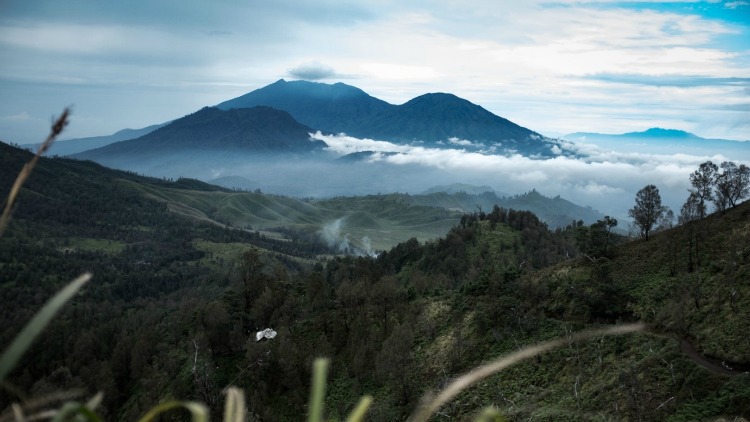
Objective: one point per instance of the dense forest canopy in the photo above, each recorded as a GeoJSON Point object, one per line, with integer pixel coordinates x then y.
{"type": "Point", "coordinates": [175, 304]}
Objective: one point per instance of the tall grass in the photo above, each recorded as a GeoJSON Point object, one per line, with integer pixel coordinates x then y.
{"type": "Point", "coordinates": [57, 128]}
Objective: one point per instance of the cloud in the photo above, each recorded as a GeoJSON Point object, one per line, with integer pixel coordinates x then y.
{"type": "Point", "coordinates": [527, 61]}
{"type": "Point", "coordinates": [400, 71]}
{"type": "Point", "coordinates": [312, 71]}
{"type": "Point", "coordinates": [683, 81]}
{"type": "Point", "coordinates": [600, 177]}
{"type": "Point", "coordinates": [735, 4]}
{"type": "Point", "coordinates": [20, 117]}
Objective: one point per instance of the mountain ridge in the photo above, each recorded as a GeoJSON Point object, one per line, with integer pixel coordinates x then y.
{"type": "Point", "coordinates": [434, 118]}
{"type": "Point", "coordinates": [260, 129]}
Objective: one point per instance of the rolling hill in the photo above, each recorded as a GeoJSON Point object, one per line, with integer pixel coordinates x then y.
{"type": "Point", "coordinates": [177, 296]}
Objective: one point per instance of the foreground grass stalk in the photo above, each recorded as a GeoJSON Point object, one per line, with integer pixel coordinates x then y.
{"type": "Point", "coordinates": [198, 411]}
{"type": "Point", "coordinates": [318, 392]}
{"type": "Point", "coordinates": [423, 413]}
{"type": "Point", "coordinates": [234, 408]}
{"type": "Point", "coordinates": [30, 332]}
{"type": "Point", "coordinates": [358, 413]}
{"type": "Point", "coordinates": [57, 128]}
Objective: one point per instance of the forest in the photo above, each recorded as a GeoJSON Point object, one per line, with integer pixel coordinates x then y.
{"type": "Point", "coordinates": [175, 303]}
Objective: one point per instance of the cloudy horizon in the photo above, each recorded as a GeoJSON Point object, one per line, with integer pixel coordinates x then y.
{"type": "Point", "coordinates": [602, 178]}
{"type": "Point", "coordinates": [554, 67]}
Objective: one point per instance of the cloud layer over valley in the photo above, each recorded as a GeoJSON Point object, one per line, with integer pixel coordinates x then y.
{"type": "Point", "coordinates": [599, 177]}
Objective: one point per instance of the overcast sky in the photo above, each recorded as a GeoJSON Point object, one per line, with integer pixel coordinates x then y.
{"type": "Point", "coordinates": [553, 66]}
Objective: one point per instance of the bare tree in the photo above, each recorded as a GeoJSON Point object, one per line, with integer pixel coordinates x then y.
{"type": "Point", "coordinates": [691, 209]}
{"type": "Point", "coordinates": [731, 185]}
{"type": "Point", "coordinates": [703, 181]}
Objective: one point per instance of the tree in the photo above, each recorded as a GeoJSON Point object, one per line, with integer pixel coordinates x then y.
{"type": "Point", "coordinates": [691, 209]}
{"type": "Point", "coordinates": [648, 209]}
{"type": "Point", "coordinates": [731, 185]}
{"type": "Point", "coordinates": [666, 221]}
{"type": "Point", "coordinates": [703, 181]}
{"type": "Point", "coordinates": [599, 234]}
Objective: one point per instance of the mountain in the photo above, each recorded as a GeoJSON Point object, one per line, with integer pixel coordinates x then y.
{"type": "Point", "coordinates": [257, 130]}
{"type": "Point", "coordinates": [666, 141]}
{"type": "Point", "coordinates": [442, 118]}
{"type": "Point", "coordinates": [659, 133]}
{"type": "Point", "coordinates": [76, 145]}
{"type": "Point", "coordinates": [459, 187]}
{"type": "Point", "coordinates": [555, 212]}
{"type": "Point", "coordinates": [438, 119]}
{"type": "Point", "coordinates": [331, 108]}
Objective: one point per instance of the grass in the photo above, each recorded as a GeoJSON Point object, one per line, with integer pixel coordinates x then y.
{"type": "Point", "coordinates": [385, 220]}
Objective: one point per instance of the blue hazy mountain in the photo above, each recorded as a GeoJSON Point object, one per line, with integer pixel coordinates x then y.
{"type": "Point", "coordinates": [435, 119]}
{"type": "Point", "coordinates": [76, 145]}
{"type": "Point", "coordinates": [665, 141]}
{"type": "Point", "coordinates": [211, 132]}
{"type": "Point", "coordinates": [441, 118]}
{"type": "Point", "coordinates": [329, 108]}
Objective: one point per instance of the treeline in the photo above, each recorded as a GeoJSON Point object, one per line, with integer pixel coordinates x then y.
{"type": "Point", "coordinates": [726, 189]}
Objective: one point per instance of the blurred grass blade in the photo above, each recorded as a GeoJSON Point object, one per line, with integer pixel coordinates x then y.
{"type": "Point", "coordinates": [95, 401]}
{"type": "Point", "coordinates": [234, 408]}
{"type": "Point", "coordinates": [423, 413]}
{"type": "Point", "coordinates": [72, 408]}
{"type": "Point", "coordinates": [358, 414]}
{"type": "Point", "coordinates": [24, 339]}
{"type": "Point", "coordinates": [490, 414]}
{"type": "Point", "coordinates": [318, 392]}
{"type": "Point", "coordinates": [57, 128]}
{"type": "Point", "coordinates": [198, 411]}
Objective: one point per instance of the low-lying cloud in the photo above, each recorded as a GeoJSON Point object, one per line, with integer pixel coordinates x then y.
{"type": "Point", "coordinates": [312, 71]}
{"type": "Point", "coordinates": [602, 178]}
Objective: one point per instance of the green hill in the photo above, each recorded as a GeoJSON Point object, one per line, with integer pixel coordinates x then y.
{"type": "Point", "coordinates": [177, 298]}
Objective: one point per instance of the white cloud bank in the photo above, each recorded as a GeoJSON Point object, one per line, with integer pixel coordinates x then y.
{"type": "Point", "coordinates": [604, 179]}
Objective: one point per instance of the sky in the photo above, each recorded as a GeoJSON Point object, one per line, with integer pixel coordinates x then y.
{"type": "Point", "coordinates": [555, 67]}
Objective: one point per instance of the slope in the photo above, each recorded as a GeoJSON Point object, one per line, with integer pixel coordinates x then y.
{"type": "Point", "coordinates": [441, 117]}
{"type": "Point", "coordinates": [74, 146]}
{"type": "Point", "coordinates": [332, 108]}
{"type": "Point", "coordinates": [259, 130]}
{"type": "Point", "coordinates": [437, 118]}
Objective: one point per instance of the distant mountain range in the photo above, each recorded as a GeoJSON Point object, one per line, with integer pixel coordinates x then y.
{"type": "Point", "coordinates": [76, 145]}
{"type": "Point", "coordinates": [258, 129]}
{"type": "Point", "coordinates": [434, 119]}
{"type": "Point", "coordinates": [556, 212]}
{"type": "Point", "coordinates": [665, 141]}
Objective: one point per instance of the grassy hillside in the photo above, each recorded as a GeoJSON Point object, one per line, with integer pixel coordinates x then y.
{"type": "Point", "coordinates": [175, 302]}
{"type": "Point", "coordinates": [385, 220]}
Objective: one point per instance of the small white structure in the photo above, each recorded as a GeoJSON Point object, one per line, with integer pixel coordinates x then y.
{"type": "Point", "coordinates": [268, 333]}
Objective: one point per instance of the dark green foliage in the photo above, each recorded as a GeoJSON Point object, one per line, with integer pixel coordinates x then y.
{"type": "Point", "coordinates": [174, 306]}
{"type": "Point", "coordinates": [647, 210]}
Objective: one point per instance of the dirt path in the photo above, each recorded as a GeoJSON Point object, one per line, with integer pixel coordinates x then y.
{"type": "Point", "coordinates": [689, 350]}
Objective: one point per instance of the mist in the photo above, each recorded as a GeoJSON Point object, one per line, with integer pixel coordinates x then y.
{"type": "Point", "coordinates": [331, 234]}
{"type": "Point", "coordinates": [586, 174]}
